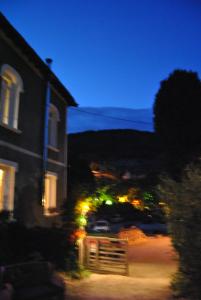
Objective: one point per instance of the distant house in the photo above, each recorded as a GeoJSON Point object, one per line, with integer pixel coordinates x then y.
{"type": "Point", "coordinates": [33, 140]}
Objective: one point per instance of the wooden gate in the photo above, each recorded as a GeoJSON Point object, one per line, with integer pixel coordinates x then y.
{"type": "Point", "coordinates": [106, 255]}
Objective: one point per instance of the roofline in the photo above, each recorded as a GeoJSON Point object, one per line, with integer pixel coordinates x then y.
{"type": "Point", "coordinates": [27, 50]}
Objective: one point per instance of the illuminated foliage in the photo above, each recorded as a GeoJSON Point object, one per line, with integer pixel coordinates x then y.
{"type": "Point", "coordinates": [90, 204]}
{"type": "Point", "coordinates": [82, 221]}
{"type": "Point", "coordinates": [104, 195]}
{"type": "Point", "coordinates": [148, 197]}
{"type": "Point", "coordinates": [184, 201]}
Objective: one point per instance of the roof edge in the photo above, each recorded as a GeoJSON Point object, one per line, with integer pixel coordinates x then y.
{"type": "Point", "coordinates": [27, 50]}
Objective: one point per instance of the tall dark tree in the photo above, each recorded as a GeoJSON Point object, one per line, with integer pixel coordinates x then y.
{"type": "Point", "coordinates": [177, 112]}
{"type": "Point", "coordinates": [81, 184]}
{"type": "Point", "coordinates": [177, 118]}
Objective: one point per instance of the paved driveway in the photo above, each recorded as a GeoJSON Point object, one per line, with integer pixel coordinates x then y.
{"type": "Point", "coordinates": [151, 263]}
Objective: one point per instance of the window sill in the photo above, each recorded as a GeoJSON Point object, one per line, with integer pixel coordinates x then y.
{"type": "Point", "coordinates": [53, 148]}
{"type": "Point", "coordinates": [49, 214]}
{"type": "Point", "coordinates": [11, 128]}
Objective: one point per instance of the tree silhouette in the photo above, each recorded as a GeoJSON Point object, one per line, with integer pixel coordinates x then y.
{"type": "Point", "coordinates": [177, 111]}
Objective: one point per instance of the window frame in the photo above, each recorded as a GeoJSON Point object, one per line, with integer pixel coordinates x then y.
{"type": "Point", "coordinates": [11, 86]}
{"type": "Point", "coordinates": [7, 194]}
{"type": "Point", "coordinates": [50, 195]}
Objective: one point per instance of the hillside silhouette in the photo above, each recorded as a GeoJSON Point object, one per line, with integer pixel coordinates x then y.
{"type": "Point", "coordinates": [113, 144]}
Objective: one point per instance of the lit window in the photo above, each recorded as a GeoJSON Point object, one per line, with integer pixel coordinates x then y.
{"type": "Point", "coordinates": [7, 183]}
{"type": "Point", "coordinates": [53, 127]}
{"type": "Point", "coordinates": [11, 87]}
{"type": "Point", "coordinates": [50, 193]}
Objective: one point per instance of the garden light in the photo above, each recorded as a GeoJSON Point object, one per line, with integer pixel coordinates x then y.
{"type": "Point", "coordinates": [108, 202]}
{"type": "Point", "coordinates": [123, 199]}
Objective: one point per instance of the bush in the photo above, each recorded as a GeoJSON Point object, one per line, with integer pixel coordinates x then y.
{"type": "Point", "coordinates": [184, 216]}
{"type": "Point", "coordinates": [20, 244]}
{"type": "Point", "coordinates": [14, 243]}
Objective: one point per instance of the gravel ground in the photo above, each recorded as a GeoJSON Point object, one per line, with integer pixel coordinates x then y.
{"type": "Point", "coordinates": [151, 265]}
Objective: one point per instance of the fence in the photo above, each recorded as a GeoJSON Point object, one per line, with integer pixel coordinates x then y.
{"type": "Point", "coordinates": [105, 255]}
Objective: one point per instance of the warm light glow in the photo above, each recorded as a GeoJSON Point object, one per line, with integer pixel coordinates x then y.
{"type": "Point", "coordinates": [80, 233]}
{"type": "Point", "coordinates": [136, 202]}
{"type": "Point", "coordinates": [43, 201]}
{"type": "Point", "coordinates": [1, 175]}
{"type": "Point", "coordinates": [84, 208]}
{"type": "Point", "coordinates": [7, 183]}
{"type": "Point", "coordinates": [49, 197]}
{"type": "Point", "coordinates": [7, 99]}
{"type": "Point", "coordinates": [77, 235]}
{"type": "Point", "coordinates": [1, 187]}
{"type": "Point", "coordinates": [123, 199]}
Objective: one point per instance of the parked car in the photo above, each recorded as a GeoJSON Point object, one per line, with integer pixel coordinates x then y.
{"type": "Point", "coordinates": [153, 228]}
{"type": "Point", "coordinates": [116, 218]}
{"type": "Point", "coordinates": [101, 226]}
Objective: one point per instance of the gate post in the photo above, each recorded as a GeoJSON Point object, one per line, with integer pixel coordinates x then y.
{"type": "Point", "coordinates": [81, 247]}
{"type": "Point", "coordinates": [81, 251]}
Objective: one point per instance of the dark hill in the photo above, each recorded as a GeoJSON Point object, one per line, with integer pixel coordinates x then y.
{"type": "Point", "coordinates": [113, 145]}
{"type": "Point", "coordinates": [127, 156]}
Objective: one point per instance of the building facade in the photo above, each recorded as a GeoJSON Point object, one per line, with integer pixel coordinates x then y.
{"type": "Point", "coordinates": [33, 140]}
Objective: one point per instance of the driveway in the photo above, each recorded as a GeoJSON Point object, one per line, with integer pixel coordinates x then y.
{"type": "Point", "coordinates": [151, 265]}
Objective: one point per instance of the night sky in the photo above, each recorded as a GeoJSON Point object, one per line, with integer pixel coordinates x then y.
{"type": "Point", "coordinates": [111, 52]}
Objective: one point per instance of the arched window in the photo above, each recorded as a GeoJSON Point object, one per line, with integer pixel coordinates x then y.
{"type": "Point", "coordinates": [53, 126]}
{"type": "Point", "coordinates": [11, 87]}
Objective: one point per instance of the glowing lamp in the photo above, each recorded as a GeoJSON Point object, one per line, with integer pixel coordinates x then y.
{"type": "Point", "coordinates": [123, 199]}
{"type": "Point", "coordinates": [136, 202]}
{"type": "Point", "coordinates": [108, 202]}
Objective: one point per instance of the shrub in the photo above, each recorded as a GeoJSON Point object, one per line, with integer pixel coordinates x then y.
{"type": "Point", "coordinates": [184, 216]}
{"type": "Point", "coordinates": [20, 244]}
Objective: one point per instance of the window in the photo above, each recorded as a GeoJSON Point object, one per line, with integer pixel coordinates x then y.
{"type": "Point", "coordinates": [7, 183]}
{"type": "Point", "coordinates": [53, 127]}
{"type": "Point", "coordinates": [50, 193]}
{"type": "Point", "coordinates": [11, 87]}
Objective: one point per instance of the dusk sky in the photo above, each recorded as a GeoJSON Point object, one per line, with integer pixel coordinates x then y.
{"type": "Point", "coordinates": [111, 52]}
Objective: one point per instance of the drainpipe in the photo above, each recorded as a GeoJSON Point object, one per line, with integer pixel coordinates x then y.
{"type": "Point", "coordinates": [66, 156]}
{"type": "Point", "coordinates": [45, 140]}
